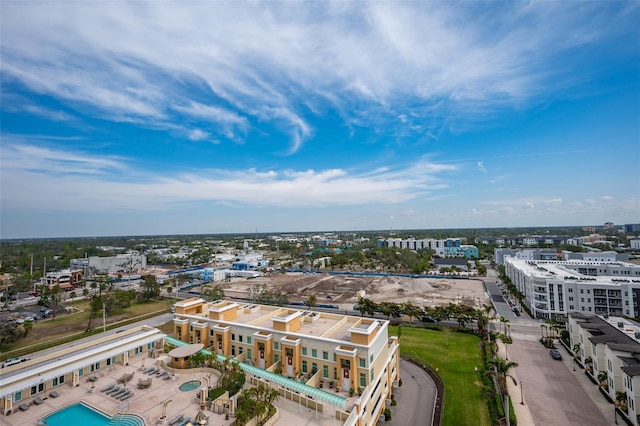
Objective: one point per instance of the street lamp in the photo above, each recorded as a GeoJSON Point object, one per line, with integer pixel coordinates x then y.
{"type": "Point", "coordinates": [521, 394]}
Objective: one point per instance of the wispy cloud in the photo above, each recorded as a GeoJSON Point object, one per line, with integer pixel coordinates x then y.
{"type": "Point", "coordinates": [480, 166]}
{"type": "Point", "coordinates": [49, 180]}
{"type": "Point", "coordinates": [383, 65]}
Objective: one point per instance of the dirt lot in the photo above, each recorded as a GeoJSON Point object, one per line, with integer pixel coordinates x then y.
{"type": "Point", "coordinates": [343, 290]}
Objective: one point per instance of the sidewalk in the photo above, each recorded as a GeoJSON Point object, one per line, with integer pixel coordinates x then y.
{"type": "Point", "coordinates": [515, 392]}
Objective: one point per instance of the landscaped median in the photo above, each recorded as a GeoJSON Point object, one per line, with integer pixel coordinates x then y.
{"type": "Point", "coordinates": [455, 356]}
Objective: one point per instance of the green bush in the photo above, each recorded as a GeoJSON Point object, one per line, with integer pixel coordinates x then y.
{"type": "Point", "coordinates": [387, 415]}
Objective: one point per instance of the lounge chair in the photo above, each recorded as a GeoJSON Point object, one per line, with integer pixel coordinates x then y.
{"type": "Point", "coordinates": [113, 390]}
{"type": "Point", "coordinates": [107, 388]}
{"type": "Point", "coordinates": [37, 400]}
{"type": "Point", "coordinates": [126, 396]}
{"type": "Point", "coordinates": [123, 395]}
{"type": "Point", "coordinates": [23, 407]}
{"type": "Point", "coordinates": [54, 394]}
{"type": "Point", "coordinates": [176, 419]}
{"type": "Point", "coordinates": [119, 393]}
{"type": "Point", "coordinates": [152, 370]}
{"type": "Point", "coordinates": [164, 374]}
{"type": "Point", "coordinates": [184, 421]}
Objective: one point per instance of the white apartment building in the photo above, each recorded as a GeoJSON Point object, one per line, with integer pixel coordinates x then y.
{"type": "Point", "coordinates": [552, 289]}
{"type": "Point", "coordinates": [613, 345]}
{"type": "Point", "coordinates": [634, 244]}
{"type": "Point", "coordinates": [438, 246]}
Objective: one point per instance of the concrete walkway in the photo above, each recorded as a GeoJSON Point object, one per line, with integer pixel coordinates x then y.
{"type": "Point", "coordinates": [515, 392]}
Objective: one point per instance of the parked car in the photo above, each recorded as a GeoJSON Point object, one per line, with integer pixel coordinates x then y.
{"type": "Point", "coordinates": [555, 354]}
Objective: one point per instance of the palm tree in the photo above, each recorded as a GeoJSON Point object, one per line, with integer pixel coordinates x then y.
{"type": "Point", "coordinates": [312, 300]}
{"type": "Point", "coordinates": [603, 379]}
{"type": "Point", "coordinates": [501, 368]}
{"type": "Point", "coordinates": [621, 401]}
{"type": "Point", "coordinates": [576, 351]}
{"type": "Point", "coordinates": [500, 371]}
{"type": "Point", "coordinates": [589, 363]}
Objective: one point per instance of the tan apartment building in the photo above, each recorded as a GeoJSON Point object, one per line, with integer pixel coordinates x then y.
{"type": "Point", "coordinates": [339, 353]}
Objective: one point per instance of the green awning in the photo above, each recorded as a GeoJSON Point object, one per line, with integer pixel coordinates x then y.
{"type": "Point", "coordinates": [291, 384]}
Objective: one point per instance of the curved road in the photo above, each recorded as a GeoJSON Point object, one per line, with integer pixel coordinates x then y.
{"type": "Point", "coordinates": [416, 397]}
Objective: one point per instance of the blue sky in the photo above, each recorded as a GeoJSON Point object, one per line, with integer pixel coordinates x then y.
{"type": "Point", "coordinates": [226, 117]}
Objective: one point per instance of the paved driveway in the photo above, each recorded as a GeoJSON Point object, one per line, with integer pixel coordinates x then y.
{"type": "Point", "coordinates": [415, 398]}
{"type": "Point", "coordinates": [552, 392]}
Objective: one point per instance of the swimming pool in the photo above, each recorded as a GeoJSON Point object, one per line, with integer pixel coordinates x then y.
{"type": "Point", "coordinates": [82, 415]}
{"type": "Point", "coordinates": [189, 386]}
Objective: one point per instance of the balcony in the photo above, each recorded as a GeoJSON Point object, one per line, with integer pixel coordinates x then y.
{"type": "Point", "coordinates": [540, 298]}
{"type": "Point", "coordinates": [541, 306]}
{"type": "Point", "coordinates": [540, 290]}
{"type": "Point", "coordinates": [600, 302]}
{"type": "Point", "coordinates": [600, 293]}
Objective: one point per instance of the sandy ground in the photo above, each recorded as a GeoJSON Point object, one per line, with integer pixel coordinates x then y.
{"type": "Point", "coordinates": [343, 290]}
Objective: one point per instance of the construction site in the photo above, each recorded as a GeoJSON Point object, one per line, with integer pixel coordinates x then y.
{"type": "Point", "coordinates": [343, 291]}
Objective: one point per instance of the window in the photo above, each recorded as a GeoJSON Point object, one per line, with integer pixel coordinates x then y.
{"type": "Point", "coordinates": [325, 371]}
{"type": "Point", "coordinates": [233, 350]}
{"type": "Point", "coordinates": [588, 291]}
{"type": "Point", "coordinates": [325, 355]}
{"type": "Point", "coordinates": [582, 290]}
{"type": "Point", "coordinates": [249, 353]}
{"type": "Point", "coordinates": [276, 358]}
{"type": "Point", "coordinates": [363, 380]}
{"type": "Point", "coordinates": [582, 299]}
{"type": "Point", "coordinates": [571, 307]}
{"type": "Point", "coordinates": [371, 375]}
{"type": "Point", "coordinates": [233, 337]}
{"type": "Point", "coordinates": [363, 362]}
{"type": "Point", "coordinates": [304, 351]}
{"type": "Point", "coordinates": [570, 299]}
{"type": "Point", "coordinates": [314, 353]}
{"type": "Point", "coordinates": [17, 396]}
{"type": "Point", "coordinates": [276, 346]}
{"type": "Point", "coordinates": [80, 372]}
{"type": "Point", "coordinates": [240, 338]}
{"type": "Point", "coordinates": [371, 358]}
{"type": "Point", "coordinates": [314, 368]}
{"type": "Point", "coordinates": [570, 290]}
{"type": "Point", "coordinates": [249, 339]}
{"type": "Point", "coordinates": [304, 366]}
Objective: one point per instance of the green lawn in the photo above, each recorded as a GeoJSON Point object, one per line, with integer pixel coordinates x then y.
{"type": "Point", "coordinates": [455, 355]}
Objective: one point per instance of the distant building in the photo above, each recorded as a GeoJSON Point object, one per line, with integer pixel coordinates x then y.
{"type": "Point", "coordinates": [632, 228]}
{"type": "Point", "coordinates": [634, 244]}
{"type": "Point", "coordinates": [609, 225]}
{"type": "Point", "coordinates": [524, 254]}
{"type": "Point", "coordinates": [113, 264]}
{"type": "Point", "coordinates": [443, 247]}
{"type": "Point", "coordinates": [599, 256]}
{"type": "Point", "coordinates": [66, 279]}
{"type": "Point", "coordinates": [448, 262]}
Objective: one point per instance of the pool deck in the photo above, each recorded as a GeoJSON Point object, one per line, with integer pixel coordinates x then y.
{"type": "Point", "coordinates": [147, 403]}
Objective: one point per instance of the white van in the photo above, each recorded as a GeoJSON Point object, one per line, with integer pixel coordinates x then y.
{"type": "Point", "coordinates": [14, 361]}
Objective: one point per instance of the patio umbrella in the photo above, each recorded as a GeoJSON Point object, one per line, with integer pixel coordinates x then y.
{"type": "Point", "coordinates": [201, 418]}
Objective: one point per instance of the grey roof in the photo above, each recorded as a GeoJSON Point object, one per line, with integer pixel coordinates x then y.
{"type": "Point", "coordinates": [603, 332]}
{"type": "Point", "coordinates": [450, 261]}
{"type": "Point", "coordinates": [632, 370]}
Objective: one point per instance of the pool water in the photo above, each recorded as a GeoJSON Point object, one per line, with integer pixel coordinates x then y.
{"type": "Point", "coordinates": [190, 386]}
{"type": "Point", "coordinates": [83, 415]}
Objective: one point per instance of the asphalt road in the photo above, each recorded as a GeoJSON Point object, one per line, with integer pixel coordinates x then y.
{"type": "Point", "coordinates": [415, 398]}
{"type": "Point", "coordinates": [554, 396]}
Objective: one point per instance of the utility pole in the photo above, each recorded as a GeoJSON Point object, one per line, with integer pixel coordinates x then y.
{"type": "Point", "coordinates": [104, 317]}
